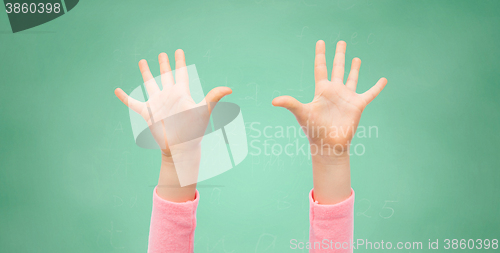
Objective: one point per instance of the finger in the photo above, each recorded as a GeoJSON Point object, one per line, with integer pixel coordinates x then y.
{"type": "Point", "coordinates": [167, 79]}
{"type": "Point", "coordinates": [128, 101]}
{"type": "Point", "coordinates": [290, 103]}
{"type": "Point", "coordinates": [320, 72]}
{"type": "Point", "coordinates": [352, 79]}
{"type": "Point", "coordinates": [339, 62]}
{"type": "Point", "coordinates": [373, 92]}
{"type": "Point", "coordinates": [215, 95]}
{"type": "Point", "coordinates": [181, 74]}
{"type": "Point", "coordinates": [149, 81]}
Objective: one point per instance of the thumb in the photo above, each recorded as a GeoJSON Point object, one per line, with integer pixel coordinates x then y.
{"type": "Point", "coordinates": [215, 95]}
{"type": "Point", "coordinates": [290, 103]}
{"type": "Point", "coordinates": [129, 101]}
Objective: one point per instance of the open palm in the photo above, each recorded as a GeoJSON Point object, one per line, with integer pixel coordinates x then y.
{"type": "Point", "coordinates": [173, 99]}
{"type": "Point", "coordinates": [331, 119]}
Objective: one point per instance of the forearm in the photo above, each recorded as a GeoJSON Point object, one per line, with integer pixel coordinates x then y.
{"type": "Point", "coordinates": [331, 204]}
{"type": "Point", "coordinates": [173, 219]}
{"type": "Point", "coordinates": [331, 178]}
{"type": "Point", "coordinates": [169, 186]}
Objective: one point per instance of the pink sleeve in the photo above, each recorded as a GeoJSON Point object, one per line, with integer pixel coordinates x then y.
{"type": "Point", "coordinates": [172, 225]}
{"type": "Point", "coordinates": [331, 228]}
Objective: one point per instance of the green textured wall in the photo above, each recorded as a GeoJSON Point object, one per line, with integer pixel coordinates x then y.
{"type": "Point", "coordinates": [73, 180]}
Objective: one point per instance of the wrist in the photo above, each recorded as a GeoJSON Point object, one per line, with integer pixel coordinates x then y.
{"type": "Point", "coordinates": [169, 186]}
{"type": "Point", "coordinates": [175, 154]}
{"type": "Point", "coordinates": [331, 177]}
{"type": "Point", "coordinates": [167, 161]}
{"type": "Point", "coordinates": [328, 156]}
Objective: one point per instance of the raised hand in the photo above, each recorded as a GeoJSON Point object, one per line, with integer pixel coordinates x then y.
{"type": "Point", "coordinates": [172, 99]}
{"type": "Point", "coordinates": [174, 119]}
{"type": "Point", "coordinates": [331, 119]}
{"type": "Point", "coordinates": [330, 122]}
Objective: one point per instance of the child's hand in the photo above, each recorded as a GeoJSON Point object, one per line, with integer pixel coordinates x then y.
{"type": "Point", "coordinates": [331, 119]}
{"type": "Point", "coordinates": [173, 98]}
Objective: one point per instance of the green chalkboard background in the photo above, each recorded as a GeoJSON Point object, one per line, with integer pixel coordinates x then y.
{"type": "Point", "coordinates": [73, 180]}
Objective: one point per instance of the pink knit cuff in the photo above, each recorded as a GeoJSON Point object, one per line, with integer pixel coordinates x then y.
{"type": "Point", "coordinates": [329, 212]}
{"type": "Point", "coordinates": [172, 225]}
{"type": "Point", "coordinates": [174, 207]}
